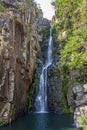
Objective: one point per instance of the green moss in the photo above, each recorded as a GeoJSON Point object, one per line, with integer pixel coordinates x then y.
{"type": "Point", "coordinates": [32, 91]}
{"type": "Point", "coordinates": [2, 9]}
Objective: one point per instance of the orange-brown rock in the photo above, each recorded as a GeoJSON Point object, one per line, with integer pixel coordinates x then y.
{"type": "Point", "coordinates": [18, 48]}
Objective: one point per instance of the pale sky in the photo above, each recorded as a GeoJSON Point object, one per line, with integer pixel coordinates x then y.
{"type": "Point", "coordinates": [46, 7]}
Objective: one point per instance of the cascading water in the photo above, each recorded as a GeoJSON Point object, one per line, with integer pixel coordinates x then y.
{"type": "Point", "coordinates": [41, 98]}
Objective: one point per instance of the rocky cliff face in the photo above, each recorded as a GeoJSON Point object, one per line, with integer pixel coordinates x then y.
{"type": "Point", "coordinates": [19, 44]}
{"type": "Point", "coordinates": [54, 91]}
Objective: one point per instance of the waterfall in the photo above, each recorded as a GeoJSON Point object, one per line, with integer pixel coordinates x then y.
{"type": "Point", "coordinates": [41, 98]}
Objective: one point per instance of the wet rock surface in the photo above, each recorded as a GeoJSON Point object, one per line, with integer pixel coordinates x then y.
{"type": "Point", "coordinates": [54, 90]}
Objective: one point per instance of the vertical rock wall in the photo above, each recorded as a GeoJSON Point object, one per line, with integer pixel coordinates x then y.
{"type": "Point", "coordinates": [19, 45]}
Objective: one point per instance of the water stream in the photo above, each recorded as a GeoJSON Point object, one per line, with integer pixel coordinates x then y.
{"type": "Point", "coordinates": [41, 98]}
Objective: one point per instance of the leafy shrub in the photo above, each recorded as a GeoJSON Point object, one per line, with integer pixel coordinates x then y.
{"type": "Point", "coordinates": [71, 17]}
{"type": "Point", "coordinates": [83, 121]}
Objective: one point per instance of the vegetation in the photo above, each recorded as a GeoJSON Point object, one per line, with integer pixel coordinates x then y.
{"type": "Point", "coordinates": [30, 2]}
{"type": "Point", "coordinates": [2, 9]}
{"type": "Point", "coordinates": [32, 91]}
{"type": "Point", "coordinates": [45, 33]}
{"type": "Point", "coordinates": [70, 34]}
{"type": "Point", "coordinates": [3, 122]}
{"type": "Point", "coordinates": [83, 121]}
{"type": "Point", "coordinates": [20, 6]}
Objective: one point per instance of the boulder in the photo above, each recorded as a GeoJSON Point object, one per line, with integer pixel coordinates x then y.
{"type": "Point", "coordinates": [80, 101]}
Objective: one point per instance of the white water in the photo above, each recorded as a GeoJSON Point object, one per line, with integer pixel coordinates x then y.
{"type": "Point", "coordinates": [41, 98]}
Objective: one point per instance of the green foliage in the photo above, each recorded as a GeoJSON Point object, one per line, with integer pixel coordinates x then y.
{"type": "Point", "coordinates": [3, 122]}
{"type": "Point", "coordinates": [71, 17]}
{"type": "Point", "coordinates": [83, 121]}
{"type": "Point", "coordinates": [39, 10]}
{"type": "Point", "coordinates": [30, 2]}
{"type": "Point", "coordinates": [2, 9]}
{"type": "Point", "coordinates": [45, 33]}
{"type": "Point", "coordinates": [55, 33]}
{"type": "Point", "coordinates": [73, 54]}
{"type": "Point", "coordinates": [20, 6]}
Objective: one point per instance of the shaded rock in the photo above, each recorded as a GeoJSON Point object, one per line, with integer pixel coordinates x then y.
{"type": "Point", "coordinates": [54, 91]}
{"type": "Point", "coordinates": [77, 89]}
{"type": "Point", "coordinates": [80, 101]}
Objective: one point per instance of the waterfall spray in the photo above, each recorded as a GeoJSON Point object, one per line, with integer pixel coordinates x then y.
{"type": "Point", "coordinates": [41, 98]}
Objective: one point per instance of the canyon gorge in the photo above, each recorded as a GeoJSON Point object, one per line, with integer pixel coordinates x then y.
{"type": "Point", "coordinates": [43, 65]}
